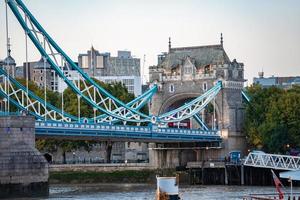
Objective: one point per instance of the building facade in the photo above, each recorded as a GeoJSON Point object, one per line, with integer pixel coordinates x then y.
{"type": "Point", "coordinates": [123, 68]}
{"type": "Point", "coordinates": [132, 83]}
{"type": "Point", "coordinates": [185, 73]}
{"type": "Point", "coordinates": [39, 72]}
{"type": "Point", "coordinates": [276, 81]}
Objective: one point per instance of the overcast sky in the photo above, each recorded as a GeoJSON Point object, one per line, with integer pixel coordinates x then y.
{"type": "Point", "coordinates": [263, 34]}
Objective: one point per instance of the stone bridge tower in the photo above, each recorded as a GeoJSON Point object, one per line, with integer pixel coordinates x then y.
{"type": "Point", "coordinates": [187, 72]}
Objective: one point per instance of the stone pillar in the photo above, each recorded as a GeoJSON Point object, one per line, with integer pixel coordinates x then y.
{"type": "Point", "coordinates": [232, 117]}
{"type": "Point", "coordinates": [23, 170]}
{"type": "Point", "coordinates": [198, 155]}
{"type": "Point", "coordinates": [163, 158]}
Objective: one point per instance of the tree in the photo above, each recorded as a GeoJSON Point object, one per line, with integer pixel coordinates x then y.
{"type": "Point", "coordinates": [117, 89]}
{"type": "Point", "coordinates": [273, 118]}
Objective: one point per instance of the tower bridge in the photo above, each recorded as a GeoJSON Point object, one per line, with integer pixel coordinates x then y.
{"type": "Point", "coordinates": [195, 100]}
{"type": "Point", "coordinates": [188, 72]}
{"type": "Point", "coordinates": [198, 87]}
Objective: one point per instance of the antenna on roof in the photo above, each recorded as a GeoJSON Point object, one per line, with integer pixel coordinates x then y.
{"type": "Point", "coordinates": [221, 39]}
{"type": "Point", "coordinates": [169, 44]}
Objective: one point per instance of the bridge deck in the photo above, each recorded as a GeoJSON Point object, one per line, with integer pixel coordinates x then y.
{"type": "Point", "coordinates": [123, 133]}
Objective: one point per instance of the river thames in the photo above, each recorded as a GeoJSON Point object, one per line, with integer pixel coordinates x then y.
{"type": "Point", "coordinates": [147, 192]}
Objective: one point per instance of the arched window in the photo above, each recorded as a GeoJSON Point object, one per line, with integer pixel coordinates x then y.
{"type": "Point", "coordinates": [204, 86]}
{"type": "Point", "coordinates": [171, 88]}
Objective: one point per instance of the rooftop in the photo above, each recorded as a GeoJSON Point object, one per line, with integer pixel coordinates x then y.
{"type": "Point", "coordinates": [199, 55]}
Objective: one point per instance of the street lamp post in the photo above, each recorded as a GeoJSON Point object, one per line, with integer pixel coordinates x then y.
{"type": "Point", "coordinates": [74, 154]}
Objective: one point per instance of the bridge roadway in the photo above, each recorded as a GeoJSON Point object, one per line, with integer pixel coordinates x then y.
{"type": "Point", "coordinates": [63, 130]}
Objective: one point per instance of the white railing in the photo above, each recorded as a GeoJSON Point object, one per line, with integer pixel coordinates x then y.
{"type": "Point", "coordinates": [171, 78]}
{"type": "Point", "coordinates": [274, 161]}
{"type": "Point", "coordinates": [196, 77]}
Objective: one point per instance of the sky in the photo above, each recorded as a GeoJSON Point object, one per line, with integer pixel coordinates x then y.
{"type": "Point", "coordinates": [264, 35]}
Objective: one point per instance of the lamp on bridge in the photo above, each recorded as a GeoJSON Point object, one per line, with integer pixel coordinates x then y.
{"type": "Point", "coordinates": [74, 154]}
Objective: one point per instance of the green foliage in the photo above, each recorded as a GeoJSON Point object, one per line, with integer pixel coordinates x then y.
{"type": "Point", "coordinates": [117, 89]}
{"type": "Point", "coordinates": [273, 118]}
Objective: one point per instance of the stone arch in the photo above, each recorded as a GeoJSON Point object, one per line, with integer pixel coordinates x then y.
{"type": "Point", "coordinates": [179, 97]}
{"type": "Point", "coordinates": [48, 157]}
{"type": "Point", "coordinates": [174, 98]}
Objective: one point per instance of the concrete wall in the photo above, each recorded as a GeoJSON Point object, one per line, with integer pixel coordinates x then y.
{"type": "Point", "coordinates": [99, 167]}
{"type": "Point", "coordinates": [121, 152]}
{"type": "Point", "coordinates": [23, 170]}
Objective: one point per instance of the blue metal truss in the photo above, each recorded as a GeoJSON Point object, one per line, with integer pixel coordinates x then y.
{"type": "Point", "coordinates": [29, 102]}
{"type": "Point", "coordinates": [191, 108]}
{"type": "Point", "coordinates": [26, 100]}
{"type": "Point", "coordinates": [200, 122]}
{"type": "Point", "coordinates": [245, 96]}
{"type": "Point", "coordinates": [91, 91]}
{"type": "Point", "coordinates": [94, 94]}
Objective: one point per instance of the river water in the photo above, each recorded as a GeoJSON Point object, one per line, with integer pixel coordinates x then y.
{"type": "Point", "coordinates": [147, 192]}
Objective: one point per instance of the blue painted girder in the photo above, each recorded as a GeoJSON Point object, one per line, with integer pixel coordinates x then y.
{"type": "Point", "coordinates": [14, 4]}
{"type": "Point", "coordinates": [146, 96]}
{"type": "Point", "coordinates": [245, 96]}
{"type": "Point", "coordinates": [119, 132]}
{"type": "Point", "coordinates": [200, 122]}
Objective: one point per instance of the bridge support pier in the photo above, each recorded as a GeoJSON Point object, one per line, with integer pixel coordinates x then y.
{"type": "Point", "coordinates": [163, 158]}
{"type": "Point", "coordinates": [23, 170]}
{"type": "Point", "coordinates": [170, 157]}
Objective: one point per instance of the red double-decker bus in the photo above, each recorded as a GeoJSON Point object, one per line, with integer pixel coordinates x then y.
{"type": "Point", "coordinates": [183, 124]}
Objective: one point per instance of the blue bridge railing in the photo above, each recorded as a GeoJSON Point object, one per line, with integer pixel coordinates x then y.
{"type": "Point", "coordinates": [154, 133]}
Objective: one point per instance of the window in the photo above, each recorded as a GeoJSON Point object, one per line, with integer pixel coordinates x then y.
{"type": "Point", "coordinates": [99, 60]}
{"type": "Point", "coordinates": [171, 88]}
{"type": "Point", "coordinates": [204, 86]}
{"type": "Point", "coordinates": [188, 70]}
{"type": "Point", "coordinates": [85, 62]}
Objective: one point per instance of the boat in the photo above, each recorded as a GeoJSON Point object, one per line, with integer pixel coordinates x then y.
{"type": "Point", "coordinates": [167, 188]}
{"type": "Point", "coordinates": [280, 195]}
